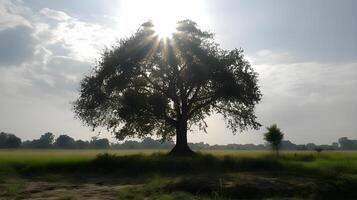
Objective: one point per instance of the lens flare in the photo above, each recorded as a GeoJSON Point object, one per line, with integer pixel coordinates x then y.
{"type": "Point", "coordinates": [164, 28]}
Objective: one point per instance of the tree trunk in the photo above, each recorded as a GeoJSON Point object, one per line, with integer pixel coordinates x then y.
{"type": "Point", "coordinates": [181, 148]}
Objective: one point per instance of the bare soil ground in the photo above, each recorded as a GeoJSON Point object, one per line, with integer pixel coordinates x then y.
{"type": "Point", "coordinates": [249, 185]}
{"type": "Point", "coordinates": [39, 190]}
{"type": "Point", "coordinates": [234, 186]}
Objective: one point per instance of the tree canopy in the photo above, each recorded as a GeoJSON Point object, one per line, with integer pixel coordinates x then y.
{"type": "Point", "coordinates": [65, 142]}
{"type": "Point", "coordinates": [274, 136]}
{"type": "Point", "coordinates": [45, 141]}
{"type": "Point", "coordinates": [147, 85]}
{"type": "Point", "coordinates": [8, 140]}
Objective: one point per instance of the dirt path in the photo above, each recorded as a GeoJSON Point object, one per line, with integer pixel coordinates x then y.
{"type": "Point", "coordinates": [68, 191]}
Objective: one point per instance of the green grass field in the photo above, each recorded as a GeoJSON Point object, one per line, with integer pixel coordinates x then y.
{"type": "Point", "coordinates": [212, 174]}
{"type": "Point", "coordinates": [334, 161]}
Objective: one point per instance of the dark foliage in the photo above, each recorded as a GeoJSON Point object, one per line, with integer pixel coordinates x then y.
{"type": "Point", "coordinates": [8, 140]}
{"type": "Point", "coordinates": [65, 142]}
{"type": "Point", "coordinates": [99, 143]}
{"type": "Point", "coordinates": [146, 143]}
{"type": "Point", "coordinates": [45, 141]}
{"type": "Point", "coordinates": [346, 143]}
{"type": "Point", "coordinates": [274, 136]}
{"type": "Point", "coordinates": [80, 144]}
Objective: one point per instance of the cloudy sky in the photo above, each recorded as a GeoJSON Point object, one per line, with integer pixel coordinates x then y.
{"type": "Point", "coordinates": [305, 52]}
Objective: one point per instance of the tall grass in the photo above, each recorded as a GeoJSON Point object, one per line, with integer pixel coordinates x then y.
{"type": "Point", "coordinates": [61, 155]}
{"type": "Point", "coordinates": [155, 161]}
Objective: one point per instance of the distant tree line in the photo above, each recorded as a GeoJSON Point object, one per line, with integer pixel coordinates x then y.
{"type": "Point", "coordinates": [48, 140]}
{"type": "Point", "coordinates": [146, 143]}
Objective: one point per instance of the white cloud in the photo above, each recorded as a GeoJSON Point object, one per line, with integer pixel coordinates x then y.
{"type": "Point", "coordinates": [45, 56]}
{"type": "Point", "coordinates": [310, 101]}
{"type": "Point", "coordinates": [50, 48]}
{"type": "Point", "coordinates": [54, 14]}
{"type": "Point", "coordinates": [85, 41]}
{"type": "Point", "coordinates": [9, 15]}
{"type": "Point", "coordinates": [266, 56]}
{"type": "Point", "coordinates": [301, 80]}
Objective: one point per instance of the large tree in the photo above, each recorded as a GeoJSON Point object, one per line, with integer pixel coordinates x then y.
{"type": "Point", "coordinates": [147, 84]}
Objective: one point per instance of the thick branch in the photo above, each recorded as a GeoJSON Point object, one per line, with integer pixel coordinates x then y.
{"type": "Point", "coordinates": [159, 88]}
{"type": "Point", "coordinates": [200, 106]}
{"type": "Point", "coordinates": [194, 96]}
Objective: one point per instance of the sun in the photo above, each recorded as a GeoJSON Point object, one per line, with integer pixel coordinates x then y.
{"type": "Point", "coordinates": [163, 13]}
{"type": "Point", "coordinates": [165, 28]}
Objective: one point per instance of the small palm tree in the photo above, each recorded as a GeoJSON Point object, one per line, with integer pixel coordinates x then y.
{"type": "Point", "coordinates": [274, 136]}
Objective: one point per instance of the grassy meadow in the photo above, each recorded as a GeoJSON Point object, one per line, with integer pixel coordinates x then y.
{"type": "Point", "coordinates": [151, 174]}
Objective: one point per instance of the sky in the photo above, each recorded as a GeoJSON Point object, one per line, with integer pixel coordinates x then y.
{"type": "Point", "coordinates": [304, 51]}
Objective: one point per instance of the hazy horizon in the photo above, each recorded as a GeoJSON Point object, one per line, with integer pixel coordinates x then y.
{"type": "Point", "coordinates": [304, 51]}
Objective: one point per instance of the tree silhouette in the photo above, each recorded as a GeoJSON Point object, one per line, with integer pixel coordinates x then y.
{"type": "Point", "coordinates": [274, 136]}
{"type": "Point", "coordinates": [65, 142]}
{"type": "Point", "coordinates": [149, 85]}
{"type": "Point", "coordinates": [99, 143]}
{"type": "Point", "coordinates": [45, 141]}
{"type": "Point", "coordinates": [80, 144]}
{"type": "Point", "coordinates": [8, 140]}
{"type": "Point", "coordinates": [346, 143]}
